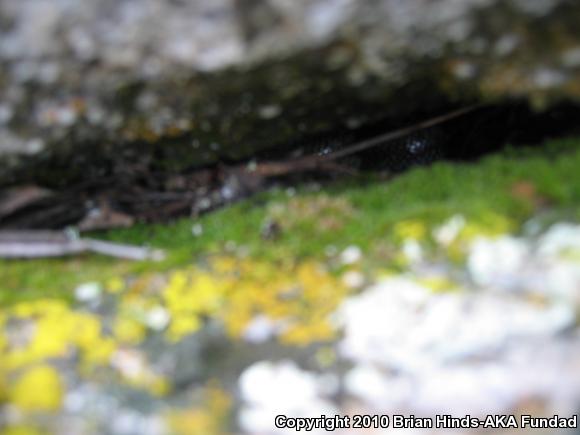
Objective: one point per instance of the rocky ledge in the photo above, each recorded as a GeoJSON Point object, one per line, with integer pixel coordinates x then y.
{"type": "Point", "coordinates": [226, 78]}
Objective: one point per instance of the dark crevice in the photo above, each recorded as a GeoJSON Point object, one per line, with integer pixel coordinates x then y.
{"type": "Point", "coordinates": [133, 184]}
{"type": "Point", "coordinates": [467, 138]}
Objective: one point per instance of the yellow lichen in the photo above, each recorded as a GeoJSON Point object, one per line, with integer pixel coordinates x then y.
{"type": "Point", "coordinates": [189, 297]}
{"type": "Point", "coordinates": [114, 285]}
{"type": "Point", "coordinates": [21, 430]}
{"type": "Point", "coordinates": [128, 330]}
{"type": "Point", "coordinates": [57, 331]}
{"type": "Point", "coordinates": [38, 389]}
{"type": "Point", "coordinates": [410, 229]}
{"type": "Point", "coordinates": [438, 283]}
{"type": "Point", "coordinates": [298, 300]}
{"type": "Point", "coordinates": [209, 418]}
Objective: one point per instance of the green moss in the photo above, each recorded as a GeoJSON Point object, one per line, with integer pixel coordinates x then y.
{"type": "Point", "coordinates": [360, 212]}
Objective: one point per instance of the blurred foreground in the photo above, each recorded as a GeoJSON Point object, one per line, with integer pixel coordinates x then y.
{"type": "Point", "coordinates": [470, 324]}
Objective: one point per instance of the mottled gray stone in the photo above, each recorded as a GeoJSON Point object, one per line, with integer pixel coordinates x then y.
{"type": "Point", "coordinates": [115, 71]}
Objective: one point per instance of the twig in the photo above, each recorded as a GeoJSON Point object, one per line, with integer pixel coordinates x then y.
{"type": "Point", "coordinates": [387, 137]}
{"type": "Point", "coordinates": [316, 161]}
{"type": "Point", "coordinates": [40, 244]}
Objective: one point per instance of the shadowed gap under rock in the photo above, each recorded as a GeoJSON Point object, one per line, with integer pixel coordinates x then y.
{"type": "Point", "coordinates": [127, 188]}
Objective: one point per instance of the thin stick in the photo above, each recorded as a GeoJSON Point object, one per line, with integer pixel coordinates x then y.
{"type": "Point", "coordinates": [312, 162]}
{"type": "Point", "coordinates": [41, 244]}
{"type": "Point", "coordinates": [387, 137]}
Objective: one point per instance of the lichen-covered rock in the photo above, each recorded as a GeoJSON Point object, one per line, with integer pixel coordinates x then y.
{"type": "Point", "coordinates": [229, 77]}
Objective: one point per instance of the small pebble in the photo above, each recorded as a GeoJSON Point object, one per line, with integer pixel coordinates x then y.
{"type": "Point", "coordinates": [351, 255]}
{"type": "Point", "coordinates": [88, 292]}
{"type": "Point", "coordinates": [197, 230]}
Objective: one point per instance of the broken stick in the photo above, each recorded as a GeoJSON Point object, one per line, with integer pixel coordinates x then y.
{"type": "Point", "coordinates": [40, 244]}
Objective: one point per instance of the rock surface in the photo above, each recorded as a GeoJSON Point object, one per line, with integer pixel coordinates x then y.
{"type": "Point", "coordinates": [227, 349]}
{"type": "Point", "coordinates": [227, 77]}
